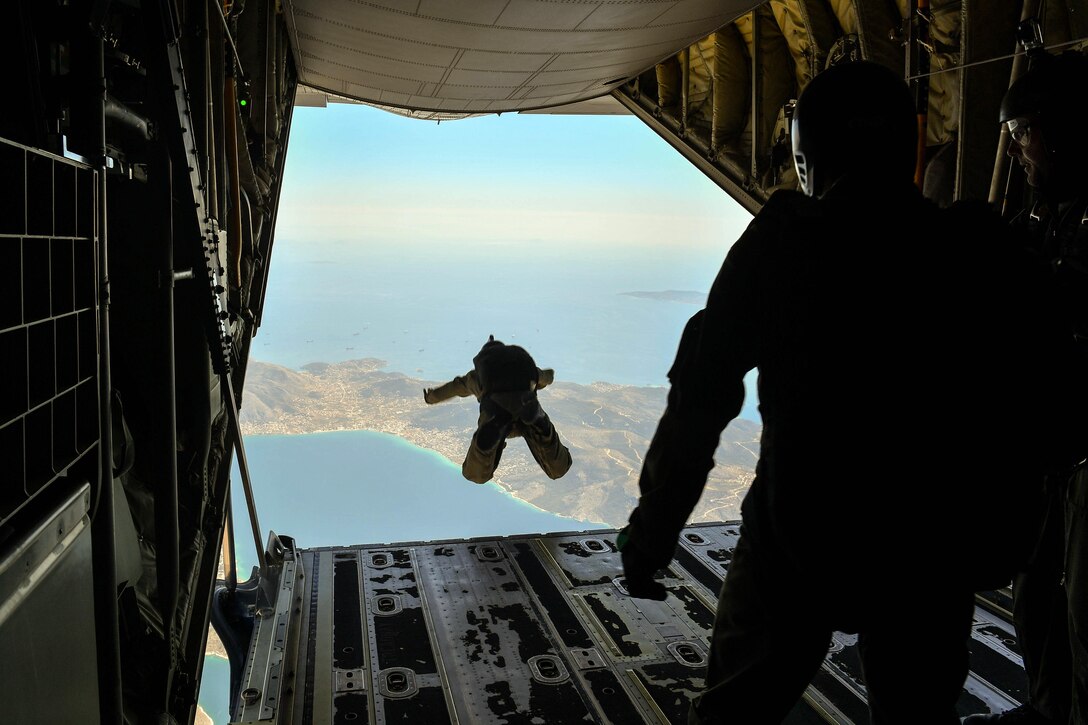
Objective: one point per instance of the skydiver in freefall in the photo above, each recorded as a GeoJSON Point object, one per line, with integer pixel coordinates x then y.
{"type": "Point", "coordinates": [505, 379]}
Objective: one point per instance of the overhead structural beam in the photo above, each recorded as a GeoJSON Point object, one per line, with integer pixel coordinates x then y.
{"type": "Point", "coordinates": [699, 156]}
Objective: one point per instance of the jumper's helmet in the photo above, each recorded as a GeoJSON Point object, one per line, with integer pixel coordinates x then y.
{"type": "Point", "coordinates": [855, 116]}
{"type": "Point", "coordinates": [1052, 95]}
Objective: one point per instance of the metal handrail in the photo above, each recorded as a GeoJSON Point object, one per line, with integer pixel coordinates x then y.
{"type": "Point", "coordinates": [230, 561]}
{"type": "Point", "coordinates": [243, 466]}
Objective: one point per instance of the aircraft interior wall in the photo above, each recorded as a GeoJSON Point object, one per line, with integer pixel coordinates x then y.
{"type": "Point", "coordinates": [143, 151]}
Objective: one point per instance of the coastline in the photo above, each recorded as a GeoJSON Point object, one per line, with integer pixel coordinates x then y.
{"type": "Point", "coordinates": [607, 427]}
{"type": "Point", "coordinates": [495, 482]}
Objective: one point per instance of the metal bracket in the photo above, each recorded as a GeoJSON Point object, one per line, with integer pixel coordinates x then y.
{"type": "Point", "coordinates": [350, 680]}
{"type": "Point", "coordinates": [264, 677]}
{"type": "Point", "coordinates": [587, 659]}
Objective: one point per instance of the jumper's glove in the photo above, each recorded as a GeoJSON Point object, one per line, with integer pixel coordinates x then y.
{"type": "Point", "coordinates": [638, 571]}
{"type": "Point", "coordinates": [428, 396]}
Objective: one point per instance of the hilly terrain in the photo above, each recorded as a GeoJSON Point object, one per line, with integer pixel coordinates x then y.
{"type": "Point", "coordinates": [607, 428]}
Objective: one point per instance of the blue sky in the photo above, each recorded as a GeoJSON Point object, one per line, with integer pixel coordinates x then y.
{"type": "Point", "coordinates": [357, 174]}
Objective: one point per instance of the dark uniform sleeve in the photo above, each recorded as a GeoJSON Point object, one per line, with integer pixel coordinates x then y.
{"type": "Point", "coordinates": [718, 347]}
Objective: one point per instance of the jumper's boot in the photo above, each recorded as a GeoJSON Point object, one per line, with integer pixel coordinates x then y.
{"type": "Point", "coordinates": [488, 442]}
{"type": "Point", "coordinates": [543, 440]}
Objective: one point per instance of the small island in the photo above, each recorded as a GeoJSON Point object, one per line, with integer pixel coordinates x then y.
{"type": "Point", "coordinates": [688, 297]}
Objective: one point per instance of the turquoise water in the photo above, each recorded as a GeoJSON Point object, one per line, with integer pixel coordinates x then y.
{"type": "Point", "coordinates": [215, 689]}
{"type": "Point", "coordinates": [364, 487]}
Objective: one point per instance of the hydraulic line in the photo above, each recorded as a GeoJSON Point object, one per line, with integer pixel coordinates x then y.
{"type": "Point", "coordinates": [234, 237]}
{"type": "Point", "coordinates": [167, 528]}
{"type": "Point", "coordinates": [107, 615]}
{"type": "Point", "coordinates": [230, 561]}
{"type": "Point", "coordinates": [243, 466]}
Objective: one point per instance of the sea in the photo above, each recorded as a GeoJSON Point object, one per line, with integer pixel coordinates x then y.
{"type": "Point", "coordinates": [364, 487]}
{"type": "Point", "coordinates": [425, 310]}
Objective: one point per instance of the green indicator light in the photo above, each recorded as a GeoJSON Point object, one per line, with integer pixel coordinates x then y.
{"type": "Point", "coordinates": [243, 101]}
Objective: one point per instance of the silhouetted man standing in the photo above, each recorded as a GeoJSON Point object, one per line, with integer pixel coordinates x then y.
{"type": "Point", "coordinates": [1045, 112]}
{"type": "Point", "coordinates": [901, 352]}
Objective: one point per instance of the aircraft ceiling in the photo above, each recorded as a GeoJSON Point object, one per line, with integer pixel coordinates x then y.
{"type": "Point", "coordinates": [490, 56]}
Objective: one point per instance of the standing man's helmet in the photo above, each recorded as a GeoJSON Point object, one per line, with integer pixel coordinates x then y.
{"type": "Point", "coordinates": [854, 117]}
{"type": "Point", "coordinates": [1053, 95]}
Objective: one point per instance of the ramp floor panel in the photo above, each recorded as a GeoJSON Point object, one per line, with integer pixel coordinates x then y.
{"type": "Point", "coordinates": [539, 630]}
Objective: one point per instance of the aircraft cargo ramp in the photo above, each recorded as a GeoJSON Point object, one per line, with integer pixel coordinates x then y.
{"type": "Point", "coordinates": [525, 629]}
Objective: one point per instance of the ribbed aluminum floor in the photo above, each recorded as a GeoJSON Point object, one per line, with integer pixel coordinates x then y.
{"type": "Point", "coordinates": [529, 630]}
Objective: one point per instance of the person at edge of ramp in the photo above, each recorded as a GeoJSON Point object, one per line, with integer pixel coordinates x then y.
{"type": "Point", "coordinates": [1045, 111]}
{"type": "Point", "coordinates": [906, 357]}
{"type": "Point", "coordinates": [505, 380]}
